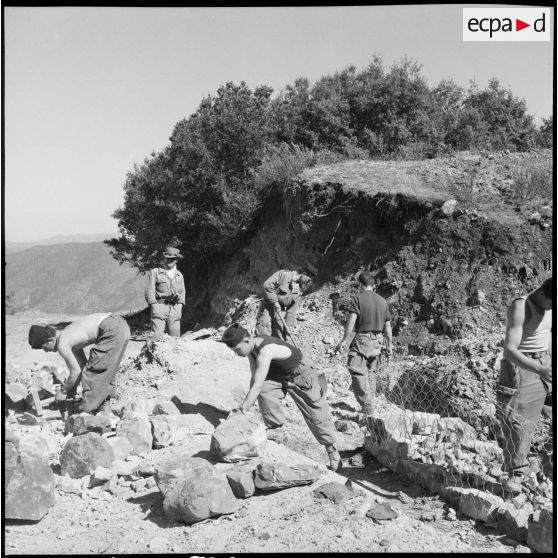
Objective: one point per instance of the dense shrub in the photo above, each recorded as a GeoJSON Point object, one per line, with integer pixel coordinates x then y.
{"type": "Point", "coordinates": [203, 190]}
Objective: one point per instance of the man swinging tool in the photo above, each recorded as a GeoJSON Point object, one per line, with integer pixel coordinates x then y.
{"type": "Point", "coordinates": [282, 292]}
{"type": "Point", "coordinates": [109, 335]}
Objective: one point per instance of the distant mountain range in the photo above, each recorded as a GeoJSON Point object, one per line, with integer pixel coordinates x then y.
{"type": "Point", "coordinates": [12, 247]}
{"type": "Point", "coordinates": [71, 278]}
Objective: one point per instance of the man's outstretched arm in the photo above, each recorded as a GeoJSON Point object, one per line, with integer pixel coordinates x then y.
{"type": "Point", "coordinates": [66, 352]}
{"type": "Point", "coordinates": [259, 367]}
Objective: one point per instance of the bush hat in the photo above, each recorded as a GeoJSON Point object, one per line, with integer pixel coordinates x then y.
{"type": "Point", "coordinates": [172, 253]}
{"type": "Point", "coordinates": [233, 335]}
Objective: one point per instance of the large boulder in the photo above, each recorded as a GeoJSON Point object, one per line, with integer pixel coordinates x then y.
{"type": "Point", "coordinates": [15, 391]}
{"type": "Point", "coordinates": [478, 504]}
{"type": "Point", "coordinates": [238, 438]}
{"type": "Point", "coordinates": [28, 485]}
{"type": "Point", "coordinates": [177, 469]}
{"type": "Point", "coordinates": [275, 476]}
{"type": "Point", "coordinates": [121, 446]}
{"type": "Point", "coordinates": [169, 429]}
{"type": "Point", "coordinates": [84, 422]}
{"type": "Point", "coordinates": [389, 422]}
{"type": "Point", "coordinates": [514, 520]}
{"type": "Point", "coordinates": [540, 535]}
{"type": "Point", "coordinates": [83, 454]}
{"type": "Point", "coordinates": [136, 427]}
{"type": "Point", "coordinates": [197, 499]}
{"type": "Point", "coordinates": [38, 445]}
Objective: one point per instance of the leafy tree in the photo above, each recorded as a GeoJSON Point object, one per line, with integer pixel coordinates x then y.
{"type": "Point", "coordinates": [195, 192]}
{"type": "Point", "coordinates": [545, 136]}
{"type": "Point", "coordinates": [203, 191]}
{"type": "Point", "coordinates": [495, 119]}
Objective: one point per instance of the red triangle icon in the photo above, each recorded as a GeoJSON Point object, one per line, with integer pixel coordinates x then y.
{"type": "Point", "coordinates": [519, 25]}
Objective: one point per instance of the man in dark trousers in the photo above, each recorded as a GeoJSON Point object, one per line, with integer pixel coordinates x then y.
{"type": "Point", "coordinates": [525, 382]}
{"type": "Point", "coordinates": [279, 368]}
{"type": "Point", "coordinates": [109, 335]}
{"type": "Point", "coordinates": [281, 292]}
{"type": "Point", "coordinates": [165, 293]}
{"type": "Point", "coordinates": [370, 317]}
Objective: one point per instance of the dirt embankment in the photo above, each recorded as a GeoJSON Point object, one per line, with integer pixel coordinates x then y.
{"type": "Point", "coordinates": [448, 275]}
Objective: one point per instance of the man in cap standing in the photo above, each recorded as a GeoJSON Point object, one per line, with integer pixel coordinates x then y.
{"type": "Point", "coordinates": [109, 335]}
{"type": "Point", "coordinates": [282, 292]}
{"type": "Point", "coordinates": [278, 368]}
{"type": "Point", "coordinates": [165, 293]}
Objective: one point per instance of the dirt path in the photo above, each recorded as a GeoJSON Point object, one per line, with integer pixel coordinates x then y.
{"type": "Point", "coordinates": [209, 381]}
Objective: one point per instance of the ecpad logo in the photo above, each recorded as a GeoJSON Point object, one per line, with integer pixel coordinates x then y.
{"type": "Point", "coordinates": [506, 24]}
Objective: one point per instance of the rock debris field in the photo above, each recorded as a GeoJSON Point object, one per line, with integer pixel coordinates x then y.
{"type": "Point", "coordinates": [165, 471]}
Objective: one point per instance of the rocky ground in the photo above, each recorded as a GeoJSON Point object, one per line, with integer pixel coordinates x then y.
{"type": "Point", "coordinates": [207, 380]}
{"type": "Point", "coordinates": [448, 273]}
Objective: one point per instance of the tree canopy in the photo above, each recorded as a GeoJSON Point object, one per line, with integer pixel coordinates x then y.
{"type": "Point", "coordinates": [202, 192]}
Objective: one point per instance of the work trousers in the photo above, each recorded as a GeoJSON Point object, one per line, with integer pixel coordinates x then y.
{"type": "Point", "coordinates": [363, 361]}
{"type": "Point", "coordinates": [520, 397]}
{"type": "Point", "coordinates": [166, 316]}
{"type": "Point", "coordinates": [97, 378]}
{"type": "Point", "coordinates": [308, 395]}
{"type": "Point", "coordinates": [268, 323]}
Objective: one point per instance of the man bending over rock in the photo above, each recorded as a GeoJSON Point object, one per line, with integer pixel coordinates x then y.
{"type": "Point", "coordinates": [109, 335]}
{"type": "Point", "coordinates": [279, 368]}
{"type": "Point", "coordinates": [525, 377]}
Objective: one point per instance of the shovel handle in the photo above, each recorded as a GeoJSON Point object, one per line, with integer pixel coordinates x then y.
{"type": "Point", "coordinates": [287, 329]}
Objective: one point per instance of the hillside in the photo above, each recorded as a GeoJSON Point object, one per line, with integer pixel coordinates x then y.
{"type": "Point", "coordinates": [72, 278]}
{"type": "Point", "coordinates": [13, 247]}
{"type": "Point", "coordinates": [448, 276]}
{"type": "Point", "coordinates": [385, 216]}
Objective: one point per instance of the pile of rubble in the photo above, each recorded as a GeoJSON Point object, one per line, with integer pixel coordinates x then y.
{"type": "Point", "coordinates": [443, 455]}
{"type": "Point", "coordinates": [108, 454]}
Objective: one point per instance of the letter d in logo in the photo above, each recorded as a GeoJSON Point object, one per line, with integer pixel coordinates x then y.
{"type": "Point", "coordinates": [540, 28]}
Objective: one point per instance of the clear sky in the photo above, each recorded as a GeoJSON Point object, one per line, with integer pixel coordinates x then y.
{"type": "Point", "coordinates": [91, 91]}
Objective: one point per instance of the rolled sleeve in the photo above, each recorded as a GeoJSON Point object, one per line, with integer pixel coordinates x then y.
{"type": "Point", "coordinates": [354, 306]}
{"type": "Point", "coordinates": [270, 287]}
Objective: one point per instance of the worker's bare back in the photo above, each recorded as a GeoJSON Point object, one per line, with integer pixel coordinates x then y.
{"type": "Point", "coordinates": [82, 332]}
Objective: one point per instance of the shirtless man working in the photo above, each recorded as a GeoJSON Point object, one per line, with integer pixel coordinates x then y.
{"type": "Point", "coordinates": [109, 335]}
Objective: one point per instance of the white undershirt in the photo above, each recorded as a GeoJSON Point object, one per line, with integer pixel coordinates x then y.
{"type": "Point", "coordinates": [171, 272]}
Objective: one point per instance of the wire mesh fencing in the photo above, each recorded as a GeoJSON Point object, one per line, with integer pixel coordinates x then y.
{"type": "Point", "coordinates": [419, 424]}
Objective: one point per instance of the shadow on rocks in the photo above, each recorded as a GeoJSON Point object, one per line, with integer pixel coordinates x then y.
{"type": "Point", "coordinates": [209, 412]}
